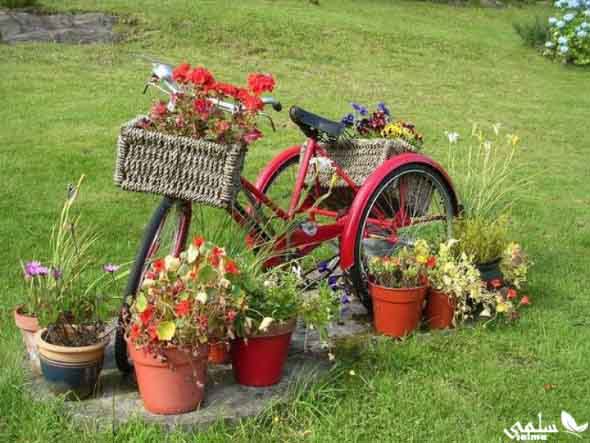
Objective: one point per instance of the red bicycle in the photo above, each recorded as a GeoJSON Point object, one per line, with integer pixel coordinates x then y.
{"type": "Point", "coordinates": [408, 196]}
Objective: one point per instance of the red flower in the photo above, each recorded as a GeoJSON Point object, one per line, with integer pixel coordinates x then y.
{"type": "Point", "coordinates": [222, 126]}
{"type": "Point", "coordinates": [152, 332]}
{"type": "Point", "coordinates": [216, 253]}
{"type": "Point", "coordinates": [202, 107]}
{"type": "Point", "coordinates": [200, 76]}
{"type": "Point", "coordinates": [134, 332]}
{"type": "Point", "coordinates": [252, 136]}
{"type": "Point", "coordinates": [231, 268]}
{"type": "Point", "coordinates": [496, 283]}
{"type": "Point", "coordinates": [198, 241]}
{"type": "Point", "coordinates": [183, 308]}
{"type": "Point", "coordinates": [147, 314]}
{"type": "Point", "coordinates": [158, 110]}
{"type": "Point", "coordinates": [512, 294]}
{"type": "Point", "coordinates": [151, 275]}
{"type": "Point", "coordinates": [431, 263]}
{"type": "Point", "coordinates": [525, 300]}
{"type": "Point", "coordinates": [227, 89]}
{"type": "Point", "coordinates": [260, 83]}
{"type": "Point", "coordinates": [178, 287]}
{"type": "Point", "coordinates": [181, 73]}
{"type": "Point", "coordinates": [250, 102]}
{"type": "Point", "coordinates": [203, 321]}
{"type": "Point", "coordinates": [231, 316]}
{"type": "Point", "coordinates": [159, 265]}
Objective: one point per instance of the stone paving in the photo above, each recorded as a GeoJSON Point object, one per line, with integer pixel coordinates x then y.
{"type": "Point", "coordinates": [21, 26]}
{"type": "Point", "coordinates": [118, 400]}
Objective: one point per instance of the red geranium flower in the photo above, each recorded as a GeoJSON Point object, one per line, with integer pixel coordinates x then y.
{"type": "Point", "coordinates": [181, 73]}
{"type": "Point", "coordinates": [198, 241]}
{"type": "Point", "coordinates": [147, 314]}
{"type": "Point", "coordinates": [200, 76]}
{"type": "Point", "coordinates": [250, 102]}
{"type": "Point", "coordinates": [260, 83]}
{"type": "Point", "coordinates": [431, 262]}
{"type": "Point", "coordinates": [152, 332]}
{"type": "Point", "coordinates": [252, 136]}
{"type": "Point", "coordinates": [202, 107]}
{"type": "Point", "coordinates": [231, 268]}
{"type": "Point", "coordinates": [159, 265]}
{"type": "Point", "coordinates": [496, 283]}
{"type": "Point", "coordinates": [158, 111]}
{"type": "Point", "coordinates": [134, 332]}
{"type": "Point", "coordinates": [227, 89]}
{"type": "Point", "coordinates": [222, 126]}
{"type": "Point", "coordinates": [183, 308]}
{"type": "Point", "coordinates": [216, 253]}
{"type": "Point", "coordinates": [512, 294]}
{"type": "Point", "coordinates": [525, 300]}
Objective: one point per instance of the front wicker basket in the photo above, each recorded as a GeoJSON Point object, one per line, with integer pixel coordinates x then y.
{"type": "Point", "coordinates": [180, 167]}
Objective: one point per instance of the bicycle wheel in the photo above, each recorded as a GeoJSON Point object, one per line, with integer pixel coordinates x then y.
{"type": "Point", "coordinates": [412, 202]}
{"type": "Point", "coordinates": [166, 233]}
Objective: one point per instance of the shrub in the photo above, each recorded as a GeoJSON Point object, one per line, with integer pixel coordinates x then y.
{"type": "Point", "coordinates": [482, 239]}
{"type": "Point", "coordinates": [13, 4]}
{"type": "Point", "coordinates": [533, 34]}
{"type": "Point", "coordinates": [569, 34]}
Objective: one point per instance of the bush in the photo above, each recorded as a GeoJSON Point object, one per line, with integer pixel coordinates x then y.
{"type": "Point", "coordinates": [569, 33]}
{"type": "Point", "coordinates": [481, 239]}
{"type": "Point", "coordinates": [533, 34]}
{"type": "Point", "coordinates": [13, 4]}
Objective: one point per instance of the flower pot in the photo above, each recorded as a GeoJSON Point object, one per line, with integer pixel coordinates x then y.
{"type": "Point", "coordinates": [396, 311]}
{"type": "Point", "coordinates": [219, 353]}
{"type": "Point", "coordinates": [28, 327]}
{"type": "Point", "coordinates": [440, 310]}
{"type": "Point", "coordinates": [70, 370]}
{"type": "Point", "coordinates": [259, 360]}
{"type": "Point", "coordinates": [490, 271]}
{"type": "Point", "coordinates": [174, 386]}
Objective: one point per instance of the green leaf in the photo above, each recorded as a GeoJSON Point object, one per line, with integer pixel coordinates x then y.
{"type": "Point", "coordinates": [141, 303]}
{"type": "Point", "coordinates": [207, 274]}
{"type": "Point", "coordinates": [166, 330]}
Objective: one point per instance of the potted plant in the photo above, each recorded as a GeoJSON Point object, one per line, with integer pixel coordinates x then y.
{"type": "Point", "coordinates": [184, 303]}
{"type": "Point", "coordinates": [484, 240]}
{"type": "Point", "coordinates": [274, 302]}
{"type": "Point", "coordinates": [398, 286]}
{"type": "Point", "coordinates": [454, 281]}
{"type": "Point", "coordinates": [72, 303]}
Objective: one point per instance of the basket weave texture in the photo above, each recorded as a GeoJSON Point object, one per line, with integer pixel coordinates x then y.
{"type": "Point", "coordinates": [180, 167]}
{"type": "Point", "coordinates": [358, 158]}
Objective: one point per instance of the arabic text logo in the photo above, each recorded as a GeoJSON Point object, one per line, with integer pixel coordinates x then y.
{"type": "Point", "coordinates": [570, 425]}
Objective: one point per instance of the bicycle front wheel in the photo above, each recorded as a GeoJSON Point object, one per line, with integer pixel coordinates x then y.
{"type": "Point", "coordinates": [165, 234]}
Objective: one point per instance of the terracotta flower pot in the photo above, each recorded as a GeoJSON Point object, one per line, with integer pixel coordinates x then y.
{"type": "Point", "coordinates": [396, 311]}
{"type": "Point", "coordinates": [219, 353]}
{"type": "Point", "coordinates": [28, 327]}
{"type": "Point", "coordinates": [175, 386]}
{"type": "Point", "coordinates": [440, 310]}
{"type": "Point", "coordinates": [70, 370]}
{"type": "Point", "coordinates": [259, 360]}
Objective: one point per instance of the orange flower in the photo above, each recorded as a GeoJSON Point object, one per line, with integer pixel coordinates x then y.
{"type": "Point", "coordinates": [198, 241]}
{"type": "Point", "coordinates": [159, 265]}
{"type": "Point", "coordinates": [231, 268]}
{"type": "Point", "coordinates": [431, 263]}
{"type": "Point", "coordinates": [183, 308]}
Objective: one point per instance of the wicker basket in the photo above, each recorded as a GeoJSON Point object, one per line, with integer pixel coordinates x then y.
{"type": "Point", "coordinates": [180, 167]}
{"type": "Point", "coordinates": [359, 158]}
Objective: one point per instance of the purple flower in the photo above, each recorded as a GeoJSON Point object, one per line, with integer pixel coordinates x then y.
{"type": "Point", "coordinates": [323, 266]}
{"type": "Point", "coordinates": [42, 271]}
{"type": "Point", "coordinates": [32, 269]}
{"type": "Point", "coordinates": [333, 282]}
{"type": "Point", "coordinates": [56, 273]}
{"type": "Point", "coordinates": [344, 300]}
{"type": "Point", "coordinates": [348, 120]}
{"type": "Point", "coordinates": [383, 108]}
{"type": "Point", "coordinates": [110, 268]}
{"type": "Point", "coordinates": [359, 108]}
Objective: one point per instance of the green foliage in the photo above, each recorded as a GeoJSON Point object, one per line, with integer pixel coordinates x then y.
{"type": "Point", "coordinates": [14, 4]}
{"type": "Point", "coordinates": [480, 238]}
{"type": "Point", "coordinates": [407, 268]}
{"type": "Point", "coordinates": [533, 34]}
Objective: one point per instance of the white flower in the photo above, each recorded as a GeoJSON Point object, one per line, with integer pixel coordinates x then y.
{"type": "Point", "coordinates": [563, 49]}
{"type": "Point", "coordinates": [265, 323]}
{"type": "Point", "coordinates": [452, 136]}
{"type": "Point", "coordinates": [562, 40]}
{"type": "Point", "coordinates": [549, 44]}
{"type": "Point", "coordinates": [585, 25]}
{"type": "Point", "coordinates": [573, 4]}
{"type": "Point", "coordinates": [268, 284]}
{"type": "Point", "coordinates": [587, 12]}
{"type": "Point", "coordinates": [560, 24]}
{"type": "Point", "coordinates": [569, 16]}
{"type": "Point", "coordinates": [552, 20]}
{"type": "Point", "coordinates": [148, 283]}
{"type": "Point", "coordinates": [171, 263]}
{"type": "Point", "coordinates": [201, 297]}
{"type": "Point", "coordinates": [192, 254]}
{"type": "Point", "coordinates": [582, 34]}
{"type": "Point", "coordinates": [225, 283]}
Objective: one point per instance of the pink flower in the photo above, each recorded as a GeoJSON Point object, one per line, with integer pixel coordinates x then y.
{"type": "Point", "coordinates": [525, 301]}
{"type": "Point", "coordinates": [158, 111]}
{"type": "Point", "coordinates": [512, 294]}
{"type": "Point", "coordinates": [252, 136]}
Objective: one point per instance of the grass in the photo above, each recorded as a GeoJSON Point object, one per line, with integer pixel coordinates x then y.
{"type": "Point", "coordinates": [440, 66]}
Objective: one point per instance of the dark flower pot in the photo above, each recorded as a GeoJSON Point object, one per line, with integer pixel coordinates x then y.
{"type": "Point", "coordinates": [490, 271]}
{"type": "Point", "coordinates": [396, 311]}
{"type": "Point", "coordinates": [259, 360]}
{"type": "Point", "coordinates": [73, 371]}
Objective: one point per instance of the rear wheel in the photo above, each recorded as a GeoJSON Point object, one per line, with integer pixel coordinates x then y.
{"type": "Point", "coordinates": [165, 234]}
{"type": "Point", "coordinates": [412, 202]}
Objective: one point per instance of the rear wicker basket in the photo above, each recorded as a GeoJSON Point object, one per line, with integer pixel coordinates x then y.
{"type": "Point", "coordinates": [359, 158]}
{"type": "Point", "coordinates": [180, 167]}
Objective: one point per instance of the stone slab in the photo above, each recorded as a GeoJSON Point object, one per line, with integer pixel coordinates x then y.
{"type": "Point", "coordinates": [117, 400]}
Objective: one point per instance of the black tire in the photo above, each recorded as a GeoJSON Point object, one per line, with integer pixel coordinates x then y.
{"type": "Point", "coordinates": [153, 231]}
{"type": "Point", "coordinates": [357, 272]}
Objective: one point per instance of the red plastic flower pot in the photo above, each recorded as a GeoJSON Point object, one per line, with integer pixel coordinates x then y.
{"type": "Point", "coordinates": [259, 360]}
{"type": "Point", "coordinates": [219, 353]}
{"type": "Point", "coordinates": [174, 386]}
{"type": "Point", "coordinates": [396, 311]}
{"type": "Point", "coordinates": [440, 310]}
{"type": "Point", "coordinates": [28, 327]}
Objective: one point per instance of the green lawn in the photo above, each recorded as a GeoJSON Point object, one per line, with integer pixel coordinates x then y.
{"type": "Point", "coordinates": [442, 67]}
